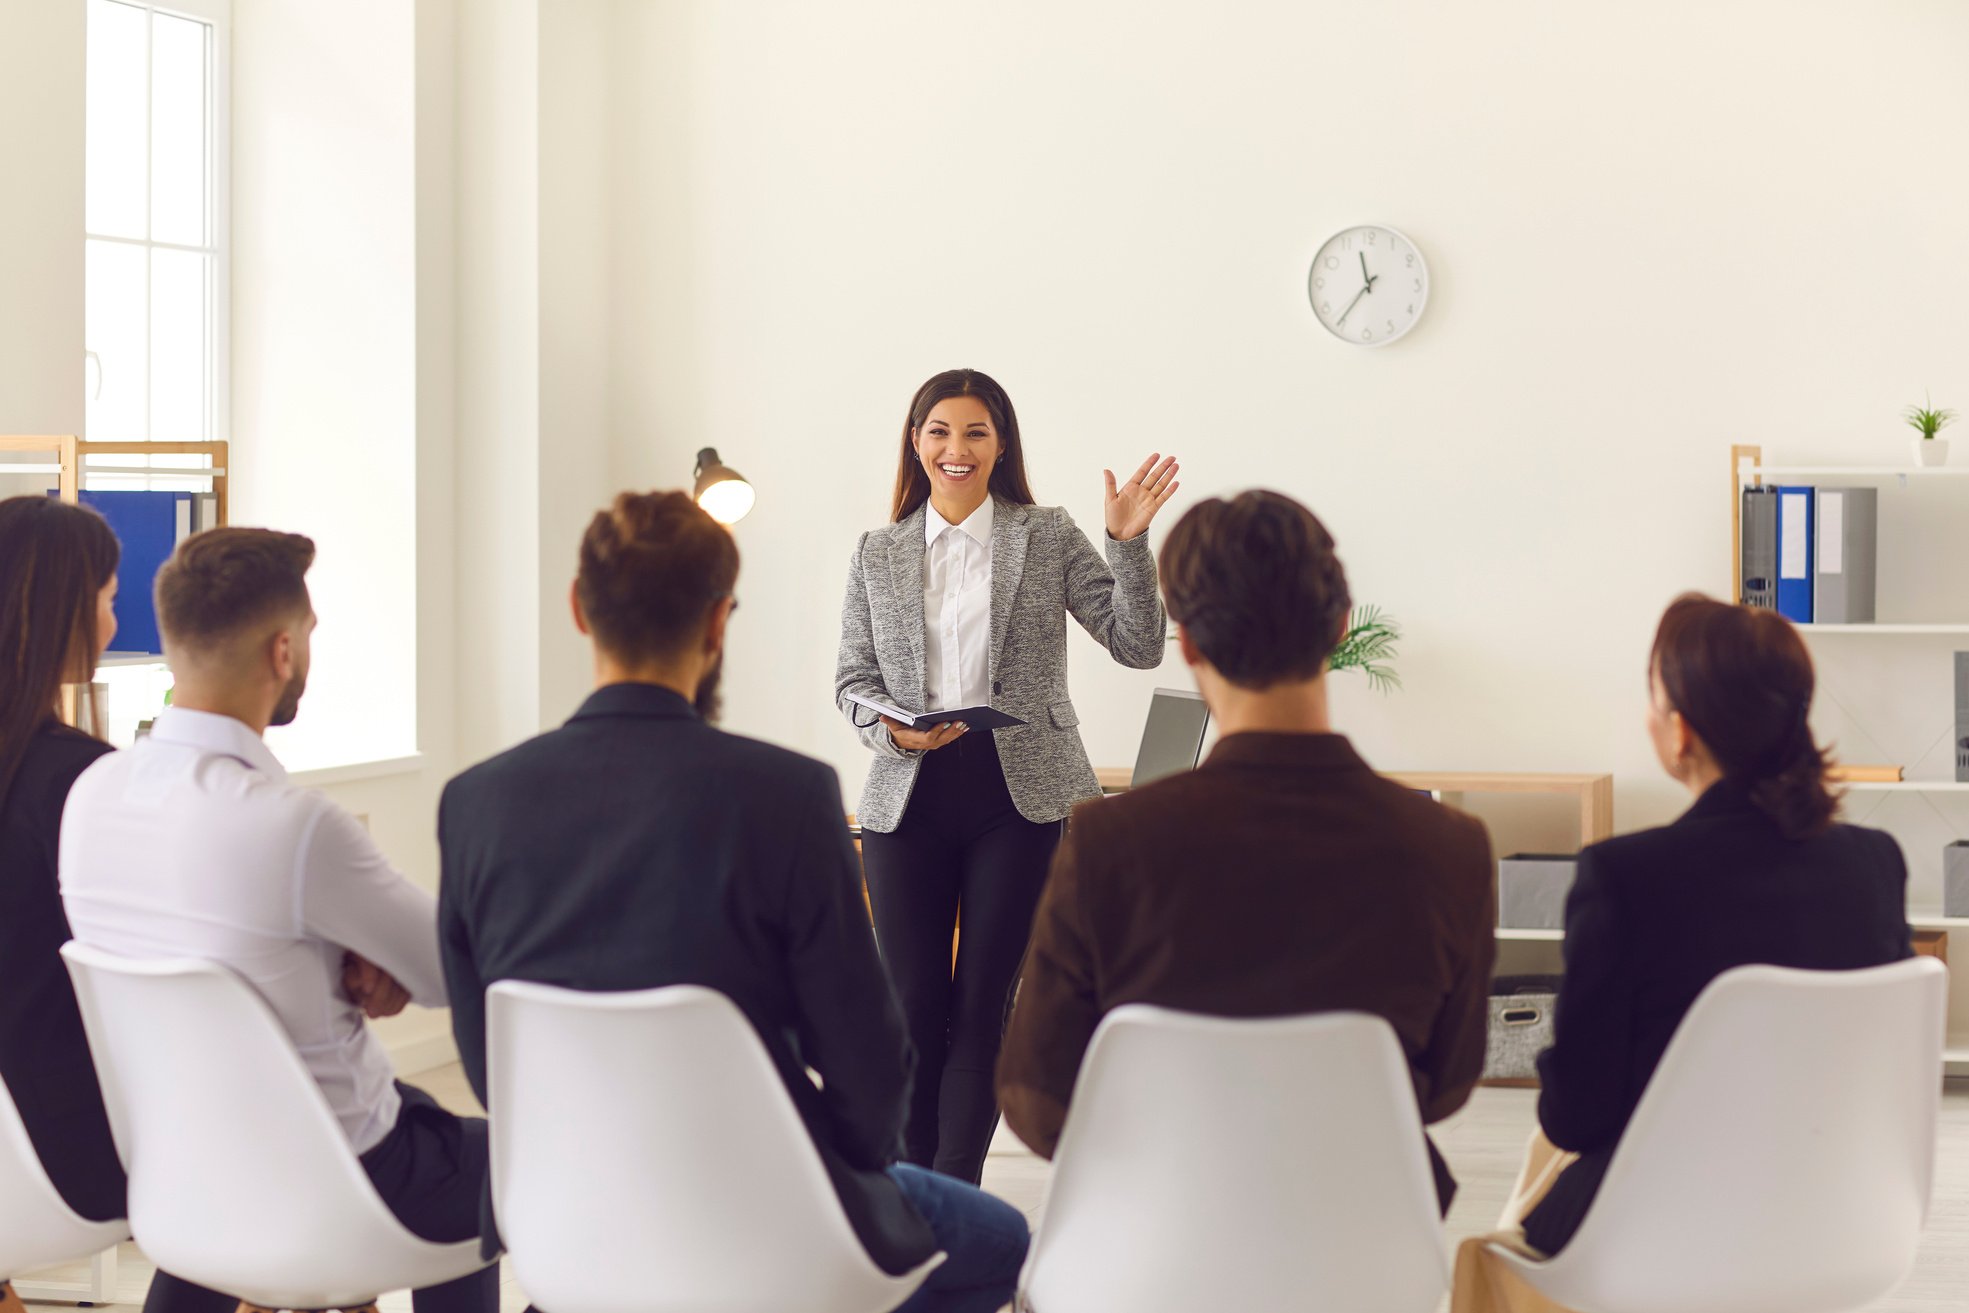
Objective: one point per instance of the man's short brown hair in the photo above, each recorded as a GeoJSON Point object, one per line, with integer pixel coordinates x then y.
{"type": "Point", "coordinates": [652, 564]}
{"type": "Point", "coordinates": [225, 582]}
{"type": "Point", "coordinates": [1256, 585]}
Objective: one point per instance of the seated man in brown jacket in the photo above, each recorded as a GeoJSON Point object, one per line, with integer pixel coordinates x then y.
{"type": "Point", "coordinates": [1281, 876]}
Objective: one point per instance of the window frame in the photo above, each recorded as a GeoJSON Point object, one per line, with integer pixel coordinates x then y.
{"type": "Point", "coordinates": [218, 201]}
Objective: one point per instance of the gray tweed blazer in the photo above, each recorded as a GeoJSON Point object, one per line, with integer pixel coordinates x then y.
{"type": "Point", "coordinates": [1042, 567]}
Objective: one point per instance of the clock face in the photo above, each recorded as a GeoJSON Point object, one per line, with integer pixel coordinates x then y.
{"type": "Point", "coordinates": [1368, 285]}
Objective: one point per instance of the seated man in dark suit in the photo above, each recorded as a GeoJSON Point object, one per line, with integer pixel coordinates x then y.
{"type": "Point", "coordinates": [1283, 875]}
{"type": "Point", "coordinates": [637, 846]}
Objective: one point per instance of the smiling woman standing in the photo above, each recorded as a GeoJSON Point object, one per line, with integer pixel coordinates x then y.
{"type": "Point", "coordinates": [961, 601]}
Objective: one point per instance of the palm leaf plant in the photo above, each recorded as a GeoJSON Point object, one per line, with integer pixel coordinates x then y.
{"type": "Point", "coordinates": [1369, 647]}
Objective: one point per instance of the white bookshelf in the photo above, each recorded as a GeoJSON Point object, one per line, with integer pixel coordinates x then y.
{"type": "Point", "coordinates": [1883, 629]}
{"type": "Point", "coordinates": [1919, 918]}
{"type": "Point", "coordinates": [1931, 918]}
{"type": "Point", "coordinates": [1748, 469]}
{"type": "Point", "coordinates": [1752, 473]}
{"type": "Point", "coordinates": [1905, 786]}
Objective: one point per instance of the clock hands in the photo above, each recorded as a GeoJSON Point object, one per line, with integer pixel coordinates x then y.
{"type": "Point", "coordinates": [1350, 306]}
{"type": "Point", "coordinates": [1367, 287]}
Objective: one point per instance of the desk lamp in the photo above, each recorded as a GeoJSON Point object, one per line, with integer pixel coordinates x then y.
{"type": "Point", "coordinates": [721, 490]}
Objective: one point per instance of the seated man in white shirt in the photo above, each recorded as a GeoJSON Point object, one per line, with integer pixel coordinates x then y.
{"type": "Point", "coordinates": [194, 844]}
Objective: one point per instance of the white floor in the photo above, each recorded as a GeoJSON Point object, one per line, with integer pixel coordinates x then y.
{"type": "Point", "coordinates": [1482, 1143]}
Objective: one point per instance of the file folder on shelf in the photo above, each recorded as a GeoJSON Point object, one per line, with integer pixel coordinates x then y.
{"type": "Point", "coordinates": [149, 526]}
{"type": "Point", "coordinates": [1795, 525]}
{"type": "Point", "coordinates": [1760, 548]}
{"type": "Point", "coordinates": [1843, 576]}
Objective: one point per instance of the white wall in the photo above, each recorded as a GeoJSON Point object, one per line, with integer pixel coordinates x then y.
{"type": "Point", "coordinates": [498, 377]}
{"type": "Point", "coordinates": [575, 346]}
{"type": "Point", "coordinates": [532, 352]}
{"type": "Point", "coordinates": [1653, 231]}
{"type": "Point", "coordinates": [41, 127]}
{"type": "Point", "coordinates": [324, 374]}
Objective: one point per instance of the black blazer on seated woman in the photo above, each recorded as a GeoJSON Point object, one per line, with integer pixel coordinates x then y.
{"type": "Point", "coordinates": [1653, 918]}
{"type": "Point", "coordinates": [44, 1056]}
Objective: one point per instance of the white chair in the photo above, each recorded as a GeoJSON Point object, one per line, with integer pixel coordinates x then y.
{"type": "Point", "coordinates": [1257, 1165]}
{"type": "Point", "coordinates": [240, 1177]}
{"type": "Point", "coordinates": [1781, 1157]}
{"type": "Point", "coordinates": [647, 1159]}
{"type": "Point", "coordinates": [37, 1227]}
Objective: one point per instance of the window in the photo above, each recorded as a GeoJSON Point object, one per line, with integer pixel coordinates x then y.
{"type": "Point", "coordinates": [155, 221]}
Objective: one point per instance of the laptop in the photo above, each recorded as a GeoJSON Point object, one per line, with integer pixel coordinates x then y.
{"type": "Point", "coordinates": [1173, 738]}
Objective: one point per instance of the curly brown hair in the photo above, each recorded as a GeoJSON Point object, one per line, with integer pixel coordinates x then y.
{"type": "Point", "coordinates": [652, 565]}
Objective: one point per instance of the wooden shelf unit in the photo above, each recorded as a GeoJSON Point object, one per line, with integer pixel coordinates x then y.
{"type": "Point", "coordinates": [70, 469]}
{"type": "Point", "coordinates": [71, 464]}
{"type": "Point", "coordinates": [1593, 793]}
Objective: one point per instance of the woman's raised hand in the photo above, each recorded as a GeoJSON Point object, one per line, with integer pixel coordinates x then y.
{"type": "Point", "coordinates": [1132, 506]}
{"type": "Point", "coordinates": [925, 740]}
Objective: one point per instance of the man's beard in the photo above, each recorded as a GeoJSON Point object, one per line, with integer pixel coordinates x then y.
{"type": "Point", "coordinates": [289, 706]}
{"type": "Point", "coordinates": [708, 702]}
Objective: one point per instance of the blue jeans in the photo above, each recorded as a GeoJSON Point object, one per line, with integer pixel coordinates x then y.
{"type": "Point", "coordinates": [984, 1236]}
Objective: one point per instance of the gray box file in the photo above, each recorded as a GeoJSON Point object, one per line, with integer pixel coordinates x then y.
{"type": "Point", "coordinates": [1532, 889]}
{"type": "Point", "coordinates": [1760, 548]}
{"type": "Point", "coordinates": [1955, 879]}
{"type": "Point", "coordinates": [1962, 717]}
{"type": "Point", "coordinates": [1843, 576]}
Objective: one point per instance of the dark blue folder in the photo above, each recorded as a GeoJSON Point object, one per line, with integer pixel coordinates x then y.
{"type": "Point", "coordinates": [146, 524]}
{"type": "Point", "coordinates": [1797, 551]}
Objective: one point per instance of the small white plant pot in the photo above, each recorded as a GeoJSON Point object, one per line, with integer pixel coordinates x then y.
{"type": "Point", "coordinates": [1931, 451]}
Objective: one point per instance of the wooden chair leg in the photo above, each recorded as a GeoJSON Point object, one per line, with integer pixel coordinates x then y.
{"type": "Point", "coordinates": [9, 1301]}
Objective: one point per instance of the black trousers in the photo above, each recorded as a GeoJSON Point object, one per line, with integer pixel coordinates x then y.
{"type": "Point", "coordinates": [430, 1170]}
{"type": "Point", "coordinates": [1552, 1221]}
{"type": "Point", "coordinates": [962, 853]}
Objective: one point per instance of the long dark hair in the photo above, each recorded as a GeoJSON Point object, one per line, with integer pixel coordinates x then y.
{"type": "Point", "coordinates": [1742, 680]}
{"type": "Point", "coordinates": [1008, 477]}
{"type": "Point", "coordinates": [54, 561]}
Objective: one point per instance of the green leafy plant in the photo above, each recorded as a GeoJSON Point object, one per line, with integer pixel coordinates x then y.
{"type": "Point", "coordinates": [1369, 647]}
{"type": "Point", "coordinates": [1927, 421]}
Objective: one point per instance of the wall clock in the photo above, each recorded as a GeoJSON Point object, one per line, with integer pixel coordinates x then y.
{"type": "Point", "coordinates": [1368, 284]}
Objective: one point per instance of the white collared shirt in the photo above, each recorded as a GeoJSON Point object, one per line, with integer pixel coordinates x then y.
{"type": "Point", "coordinates": [957, 610]}
{"type": "Point", "coordinates": [193, 844]}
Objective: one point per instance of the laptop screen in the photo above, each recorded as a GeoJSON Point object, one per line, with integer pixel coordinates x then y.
{"type": "Point", "coordinates": [1173, 738]}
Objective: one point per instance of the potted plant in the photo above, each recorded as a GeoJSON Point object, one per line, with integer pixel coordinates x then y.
{"type": "Point", "coordinates": [1927, 421]}
{"type": "Point", "coordinates": [1368, 647]}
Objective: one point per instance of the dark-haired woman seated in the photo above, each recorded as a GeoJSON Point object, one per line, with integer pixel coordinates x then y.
{"type": "Point", "coordinates": [1757, 871]}
{"type": "Point", "coordinates": [57, 583]}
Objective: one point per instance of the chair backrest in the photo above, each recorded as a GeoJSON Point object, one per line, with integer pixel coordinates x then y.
{"type": "Point", "coordinates": [646, 1158]}
{"type": "Point", "coordinates": [240, 1176]}
{"type": "Point", "coordinates": [1782, 1155]}
{"type": "Point", "coordinates": [37, 1227]}
{"type": "Point", "coordinates": [1240, 1164]}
